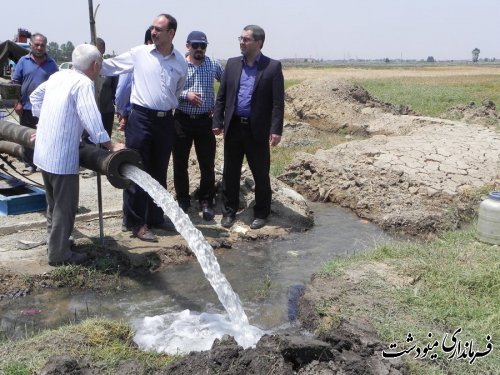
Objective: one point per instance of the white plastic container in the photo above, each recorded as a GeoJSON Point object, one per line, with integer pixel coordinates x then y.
{"type": "Point", "coordinates": [488, 222]}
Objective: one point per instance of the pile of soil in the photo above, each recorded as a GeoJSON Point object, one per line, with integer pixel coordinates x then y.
{"type": "Point", "coordinates": [336, 105]}
{"type": "Point", "coordinates": [472, 113]}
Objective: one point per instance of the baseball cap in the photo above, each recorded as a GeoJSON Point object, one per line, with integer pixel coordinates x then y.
{"type": "Point", "coordinates": [197, 37]}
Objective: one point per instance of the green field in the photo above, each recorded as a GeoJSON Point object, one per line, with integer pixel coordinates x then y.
{"type": "Point", "coordinates": [432, 96]}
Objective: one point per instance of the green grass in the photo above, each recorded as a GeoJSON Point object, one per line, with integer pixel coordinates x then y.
{"type": "Point", "coordinates": [104, 342]}
{"type": "Point", "coordinates": [453, 282]}
{"type": "Point", "coordinates": [432, 96]}
{"type": "Point", "coordinates": [291, 82]}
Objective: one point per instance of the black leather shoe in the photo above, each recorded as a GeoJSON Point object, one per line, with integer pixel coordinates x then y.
{"type": "Point", "coordinates": [208, 212]}
{"type": "Point", "coordinates": [258, 223]}
{"type": "Point", "coordinates": [144, 234]}
{"type": "Point", "coordinates": [74, 258]}
{"type": "Point", "coordinates": [228, 221]}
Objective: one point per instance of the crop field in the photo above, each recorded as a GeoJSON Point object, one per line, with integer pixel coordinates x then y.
{"type": "Point", "coordinates": [428, 90]}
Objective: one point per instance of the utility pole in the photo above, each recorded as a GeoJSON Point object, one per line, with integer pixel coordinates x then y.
{"type": "Point", "coordinates": [92, 14]}
{"type": "Point", "coordinates": [93, 39]}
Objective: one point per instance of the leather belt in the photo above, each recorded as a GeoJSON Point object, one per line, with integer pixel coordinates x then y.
{"type": "Point", "coordinates": [151, 112]}
{"type": "Point", "coordinates": [192, 117]}
{"type": "Point", "coordinates": [241, 120]}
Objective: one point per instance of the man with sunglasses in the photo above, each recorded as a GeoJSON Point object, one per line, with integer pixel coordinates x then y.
{"type": "Point", "coordinates": [193, 124]}
{"type": "Point", "coordinates": [249, 109]}
{"type": "Point", "coordinates": [159, 72]}
{"type": "Point", "coordinates": [32, 70]}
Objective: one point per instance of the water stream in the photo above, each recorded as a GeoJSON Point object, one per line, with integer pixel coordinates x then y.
{"type": "Point", "coordinates": [240, 328]}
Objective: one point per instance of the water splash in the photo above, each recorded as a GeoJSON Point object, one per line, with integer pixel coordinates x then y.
{"type": "Point", "coordinates": [198, 244]}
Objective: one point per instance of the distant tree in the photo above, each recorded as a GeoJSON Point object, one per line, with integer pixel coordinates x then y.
{"type": "Point", "coordinates": [60, 53]}
{"type": "Point", "coordinates": [475, 55]}
{"type": "Point", "coordinates": [430, 59]}
{"type": "Point", "coordinates": [66, 51]}
{"type": "Point", "coordinates": [53, 51]}
{"type": "Point", "coordinates": [386, 60]}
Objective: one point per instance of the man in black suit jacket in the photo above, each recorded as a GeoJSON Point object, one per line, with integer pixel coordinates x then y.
{"type": "Point", "coordinates": [249, 109]}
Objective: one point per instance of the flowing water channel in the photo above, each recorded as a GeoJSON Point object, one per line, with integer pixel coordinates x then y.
{"type": "Point", "coordinates": [187, 306]}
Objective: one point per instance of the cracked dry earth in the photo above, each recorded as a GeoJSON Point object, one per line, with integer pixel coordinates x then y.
{"type": "Point", "coordinates": [413, 174]}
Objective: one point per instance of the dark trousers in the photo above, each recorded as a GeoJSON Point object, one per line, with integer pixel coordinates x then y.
{"type": "Point", "coordinates": [61, 192]}
{"type": "Point", "coordinates": [152, 138]}
{"type": "Point", "coordinates": [199, 132]}
{"type": "Point", "coordinates": [107, 121]}
{"type": "Point", "coordinates": [238, 143]}
{"type": "Point", "coordinates": [27, 119]}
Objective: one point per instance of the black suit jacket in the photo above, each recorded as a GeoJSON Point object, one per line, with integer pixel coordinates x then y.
{"type": "Point", "coordinates": [267, 106]}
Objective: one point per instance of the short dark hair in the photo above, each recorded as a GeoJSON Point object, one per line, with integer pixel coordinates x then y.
{"type": "Point", "coordinates": [172, 22]}
{"type": "Point", "coordinates": [258, 32]}
{"type": "Point", "coordinates": [100, 42]}
{"type": "Point", "coordinates": [147, 36]}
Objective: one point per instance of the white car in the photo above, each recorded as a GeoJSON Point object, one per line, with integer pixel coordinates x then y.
{"type": "Point", "coordinates": [66, 65]}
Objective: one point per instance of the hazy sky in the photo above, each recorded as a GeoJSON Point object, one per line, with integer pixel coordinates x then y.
{"type": "Point", "coordinates": [327, 29]}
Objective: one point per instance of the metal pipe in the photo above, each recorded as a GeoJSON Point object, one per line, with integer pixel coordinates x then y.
{"type": "Point", "coordinates": [91, 157]}
{"type": "Point", "coordinates": [13, 132]}
{"type": "Point", "coordinates": [12, 149]}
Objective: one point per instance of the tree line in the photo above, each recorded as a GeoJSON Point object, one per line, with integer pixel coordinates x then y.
{"type": "Point", "coordinates": [62, 53]}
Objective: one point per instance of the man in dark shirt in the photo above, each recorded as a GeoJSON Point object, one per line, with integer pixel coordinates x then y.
{"type": "Point", "coordinates": [32, 70]}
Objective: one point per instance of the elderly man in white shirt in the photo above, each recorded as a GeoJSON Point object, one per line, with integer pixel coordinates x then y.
{"type": "Point", "coordinates": [66, 106]}
{"type": "Point", "coordinates": [159, 72]}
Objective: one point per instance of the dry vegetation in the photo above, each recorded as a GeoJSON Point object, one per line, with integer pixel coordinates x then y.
{"type": "Point", "coordinates": [392, 72]}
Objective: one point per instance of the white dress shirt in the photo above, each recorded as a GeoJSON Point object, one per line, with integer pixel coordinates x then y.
{"type": "Point", "coordinates": [65, 105]}
{"type": "Point", "coordinates": [157, 80]}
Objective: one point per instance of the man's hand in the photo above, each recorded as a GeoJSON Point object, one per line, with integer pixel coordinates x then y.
{"type": "Point", "coordinates": [111, 146]}
{"type": "Point", "coordinates": [19, 108]}
{"type": "Point", "coordinates": [122, 122]}
{"type": "Point", "coordinates": [116, 146]}
{"type": "Point", "coordinates": [274, 139]}
{"type": "Point", "coordinates": [194, 98]}
{"type": "Point", "coordinates": [216, 131]}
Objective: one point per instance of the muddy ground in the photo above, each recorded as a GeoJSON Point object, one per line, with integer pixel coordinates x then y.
{"type": "Point", "coordinates": [402, 171]}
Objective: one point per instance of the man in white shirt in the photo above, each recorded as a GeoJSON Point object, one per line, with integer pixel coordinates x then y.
{"type": "Point", "coordinates": [159, 72]}
{"type": "Point", "coordinates": [66, 106]}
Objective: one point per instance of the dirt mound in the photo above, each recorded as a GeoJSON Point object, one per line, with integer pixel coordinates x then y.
{"type": "Point", "coordinates": [484, 114]}
{"type": "Point", "coordinates": [335, 104]}
{"type": "Point", "coordinates": [284, 354]}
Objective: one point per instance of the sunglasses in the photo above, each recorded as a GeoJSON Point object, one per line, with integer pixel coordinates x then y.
{"type": "Point", "coordinates": [198, 45]}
